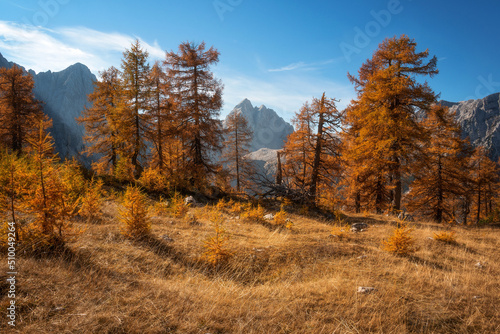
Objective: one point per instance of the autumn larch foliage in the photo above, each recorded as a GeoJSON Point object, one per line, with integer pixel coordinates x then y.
{"type": "Point", "coordinates": [388, 133]}
{"type": "Point", "coordinates": [51, 199]}
{"type": "Point", "coordinates": [91, 202]}
{"type": "Point", "coordinates": [160, 118]}
{"type": "Point", "coordinates": [199, 97]}
{"type": "Point", "coordinates": [135, 80]}
{"type": "Point", "coordinates": [101, 121]}
{"type": "Point", "coordinates": [216, 246]}
{"type": "Point", "coordinates": [439, 174]}
{"type": "Point", "coordinates": [134, 215]}
{"type": "Point", "coordinates": [20, 112]}
{"type": "Point", "coordinates": [401, 242]}
{"type": "Point", "coordinates": [483, 183]}
{"type": "Point", "coordinates": [312, 152]}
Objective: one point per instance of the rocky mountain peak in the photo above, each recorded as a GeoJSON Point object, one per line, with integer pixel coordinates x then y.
{"type": "Point", "coordinates": [269, 129]}
{"type": "Point", "coordinates": [64, 95]}
{"type": "Point", "coordinates": [480, 121]}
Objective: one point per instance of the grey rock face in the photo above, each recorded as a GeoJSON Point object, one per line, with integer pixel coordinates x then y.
{"type": "Point", "coordinates": [269, 129]}
{"type": "Point", "coordinates": [4, 63]}
{"type": "Point", "coordinates": [64, 97]}
{"type": "Point", "coordinates": [480, 121]}
{"type": "Point", "coordinates": [266, 161]}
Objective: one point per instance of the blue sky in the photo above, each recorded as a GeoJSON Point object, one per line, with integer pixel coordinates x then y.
{"type": "Point", "coordinates": [277, 53]}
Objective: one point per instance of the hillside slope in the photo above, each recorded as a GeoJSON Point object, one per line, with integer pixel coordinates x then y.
{"type": "Point", "coordinates": [277, 281]}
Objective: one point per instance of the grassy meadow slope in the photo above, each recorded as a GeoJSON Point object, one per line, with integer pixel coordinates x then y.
{"type": "Point", "coordinates": [277, 281]}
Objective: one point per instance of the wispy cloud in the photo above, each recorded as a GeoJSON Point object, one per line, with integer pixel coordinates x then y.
{"type": "Point", "coordinates": [43, 49]}
{"type": "Point", "coordinates": [305, 66]}
{"type": "Point", "coordinates": [284, 93]}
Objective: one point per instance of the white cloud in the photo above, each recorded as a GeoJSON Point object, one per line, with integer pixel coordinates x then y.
{"type": "Point", "coordinates": [305, 66]}
{"type": "Point", "coordinates": [284, 91]}
{"type": "Point", "coordinates": [42, 49]}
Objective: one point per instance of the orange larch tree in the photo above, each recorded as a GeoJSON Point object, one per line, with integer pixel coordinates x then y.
{"type": "Point", "coordinates": [160, 117]}
{"type": "Point", "coordinates": [199, 96]}
{"type": "Point", "coordinates": [389, 99]}
{"type": "Point", "coordinates": [101, 121]}
{"type": "Point", "coordinates": [439, 176]}
{"type": "Point", "coordinates": [312, 151]}
{"type": "Point", "coordinates": [484, 181]}
{"type": "Point", "coordinates": [20, 112]}
{"type": "Point", "coordinates": [135, 83]}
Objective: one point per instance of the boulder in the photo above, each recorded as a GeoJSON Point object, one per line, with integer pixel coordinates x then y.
{"type": "Point", "coordinates": [189, 200]}
{"type": "Point", "coordinates": [359, 227]}
{"type": "Point", "coordinates": [365, 289]}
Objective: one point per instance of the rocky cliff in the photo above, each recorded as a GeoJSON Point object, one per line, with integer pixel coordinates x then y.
{"type": "Point", "coordinates": [480, 121]}
{"type": "Point", "coordinates": [269, 129]}
{"type": "Point", "coordinates": [64, 96]}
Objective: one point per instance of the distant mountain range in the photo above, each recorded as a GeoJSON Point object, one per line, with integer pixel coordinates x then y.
{"type": "Point", "coordinates": [65, 94]}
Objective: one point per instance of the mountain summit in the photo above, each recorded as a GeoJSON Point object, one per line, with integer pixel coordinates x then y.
{"type": "Point", "coordinates": [269, 129]}
{"type": "Point", "coordinates": [64, 96]}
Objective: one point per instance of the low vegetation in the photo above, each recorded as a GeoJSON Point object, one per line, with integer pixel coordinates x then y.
{"type": "Point", "coordinates": [228, 274]}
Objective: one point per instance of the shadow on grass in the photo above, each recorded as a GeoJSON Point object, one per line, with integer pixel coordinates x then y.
{"type": "Point", "coordinates": [431, 264]}
{"type": "Point", "coordinates": [163, 249]}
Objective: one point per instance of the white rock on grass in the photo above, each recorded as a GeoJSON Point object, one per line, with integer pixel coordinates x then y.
{"type": "Point", "coordinates": [269, 216]}
{"type": "Point", "coordinates": [365, 289]}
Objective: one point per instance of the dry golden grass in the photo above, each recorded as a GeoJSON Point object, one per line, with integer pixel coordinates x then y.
{"type": "Point", "coordinates": [277, 281]}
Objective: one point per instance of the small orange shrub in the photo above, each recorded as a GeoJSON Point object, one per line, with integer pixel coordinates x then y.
{"type": "Point", "coordinates": [134, 217]}
{"type": "Point", "coordinates": [446, 237]}
{"type": "Point", "coordinates": [400, 242]}
{"type": "Point", "coordinates": [216, 250]}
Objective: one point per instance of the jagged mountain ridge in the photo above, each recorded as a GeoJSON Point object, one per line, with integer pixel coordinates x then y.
{"type": "Point", "coordinates": [270, 132]}
{"type": "Point", "coordinates": [64, 96]}
{"type": "Point", "coordinates": [269, 129]}
{"type": "Point", "coordinates": [480, 121]}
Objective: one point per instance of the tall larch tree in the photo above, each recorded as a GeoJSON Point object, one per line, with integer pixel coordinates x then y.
{"type": "Point", "coordinates": [135, 81]}
{"type": "Point", "coordinates": [200, 99]}
{"type": "Point", "coordinates": [20, 112]}
{"type": "Point", "coordinates": [236, 146]}
{"type": "Point", "coordinates": [298, 152]}
{"type": "Point", "coordinates": [389, 100]}
{"type": "Point", "coordinates": [160, 117]}
{"type": "Point", "coordinates": [439, 178]}
{"type": "Point", "coordinates": [484, 180]}
{"type": "Point", "coordinates": [101, 120]}
{"type": "Point", "coordinates": [327, 120]}
{"type": "Point", "coordinates": [365, 172]}
{"type": "Point", "coordinates": [312, 152]}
